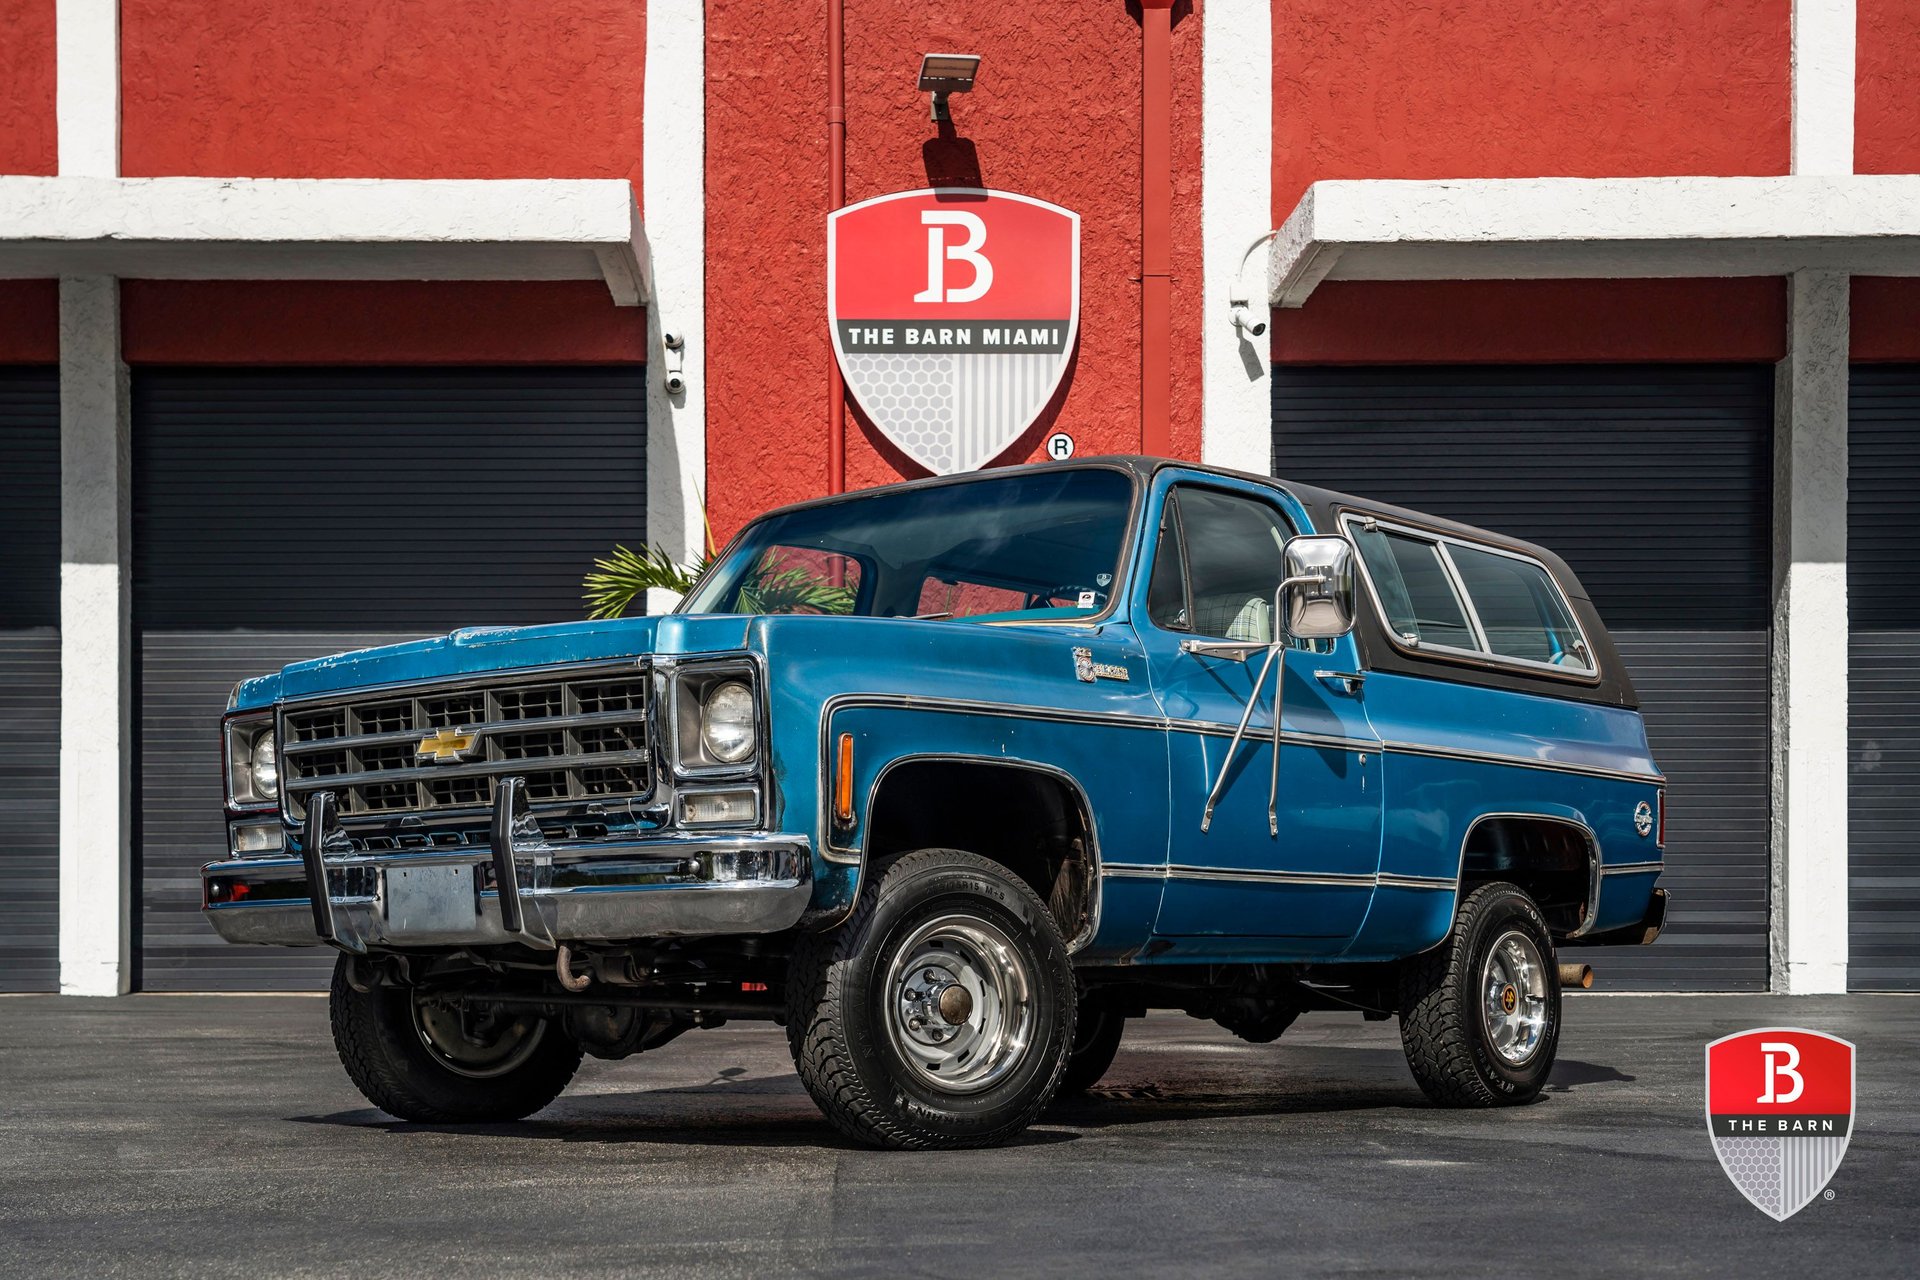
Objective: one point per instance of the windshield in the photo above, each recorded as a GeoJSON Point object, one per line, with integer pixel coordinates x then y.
{"type": "Point", "coordinates": [1031, 546]}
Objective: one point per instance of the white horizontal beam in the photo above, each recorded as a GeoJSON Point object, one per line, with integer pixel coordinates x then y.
{"type": "Point", "coordinates": [324, 229]}
{"type": "Point", "coordinates": [1556, 228]}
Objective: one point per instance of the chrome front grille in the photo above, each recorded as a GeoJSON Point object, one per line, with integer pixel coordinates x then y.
{"type": "Point", "coordinates": [573, 737]}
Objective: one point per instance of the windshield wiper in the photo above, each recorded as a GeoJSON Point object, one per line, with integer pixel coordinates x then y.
{"type": "Point", "coordinates": [931, 617]}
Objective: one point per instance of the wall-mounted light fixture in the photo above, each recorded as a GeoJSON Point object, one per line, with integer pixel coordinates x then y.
{"type": "Point", "coordinates": [945, 73]}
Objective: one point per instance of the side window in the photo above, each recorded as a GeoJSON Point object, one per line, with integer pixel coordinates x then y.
{"type": "Point", "coordinates": [1415, 592]}
{"type": "Point", "coordinates": [1520, 610]}
{"type": "Point", "coordinates": [1233, 562]}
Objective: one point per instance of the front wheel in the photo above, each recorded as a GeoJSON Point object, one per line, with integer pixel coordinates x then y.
{"type": "Point", "coordinates": [1480, 1013]}
{"type": "Point", "coordinates": [437, 1062]}
{"type": "Point", "coordinates": [941, 1014]}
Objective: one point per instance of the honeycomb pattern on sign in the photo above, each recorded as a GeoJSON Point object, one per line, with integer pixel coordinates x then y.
{"type": "Point", "coordinates": [1754, 1166]}
{"type": "Point", "coordinates": [910, 398]}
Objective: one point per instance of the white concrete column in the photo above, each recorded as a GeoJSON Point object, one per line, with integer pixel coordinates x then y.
{"type": "Point", "coordinates": [675, 214]}
{"type": "Point", "coordinates": [1823, 83]}
{"type": "Point", "coordinates": [1236, 185]}
{"type": "Point", "coordinates": [1809, 659]}
{"type": "Point", "coordinates": [87, 93]}
{"type": "Point", "coordinates": [1809, 924]}
{"type": "Point", "coordinates": [96, 645]}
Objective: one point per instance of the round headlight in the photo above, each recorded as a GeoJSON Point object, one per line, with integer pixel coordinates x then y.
{"type": "Point", "coordinates": [726, 723]}
{"type": "Point", "coordinates": [265, 768]}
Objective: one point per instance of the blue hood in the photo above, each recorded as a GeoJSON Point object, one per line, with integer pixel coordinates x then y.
{"type": "Point", "coordinates": [486, 649]}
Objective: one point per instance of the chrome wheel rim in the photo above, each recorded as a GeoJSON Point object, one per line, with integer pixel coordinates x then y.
{"type": "Point", "coordinates": [478, 1044]}
{"type": "Point", "coordinates": [1513, 1006]}
{"type": "Point", "coordinates": [959, 1004]}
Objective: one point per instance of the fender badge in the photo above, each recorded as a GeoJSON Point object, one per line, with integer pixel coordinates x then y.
{"type": "Point", "coordinates": [1088, 670]}
{"type": "Point", "coordinates": [1643, 818]}
{"type": "Point", "coordinates": [449, 746]}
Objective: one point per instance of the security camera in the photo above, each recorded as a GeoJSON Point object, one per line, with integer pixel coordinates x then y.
{"type": "Point", "coordinates": [1243, 319]}
{"type": "Point", "coordinates": [672, 340]}
{"type": "Point", "coordinates": [676, 383]}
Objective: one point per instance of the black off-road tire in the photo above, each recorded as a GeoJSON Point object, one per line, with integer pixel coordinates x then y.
{"type": "Point", "coordinates": [837, 1005]}
{"type": "Point", "coordinates": [385, 1056]}
{"type": "Point", "coordinates": [1096, 1039]}
{"type": "Point", "coordinates": [1442, 1026]}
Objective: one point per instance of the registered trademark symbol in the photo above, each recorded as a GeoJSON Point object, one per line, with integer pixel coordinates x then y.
{"type": "Point", "coordinates": [1828, 1193]}
{"type": "Point", "coordinates": [1059, 446]}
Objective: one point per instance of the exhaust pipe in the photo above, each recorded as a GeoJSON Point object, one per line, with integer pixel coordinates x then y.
{"type": "Point", "coordinates": [1576, 975]}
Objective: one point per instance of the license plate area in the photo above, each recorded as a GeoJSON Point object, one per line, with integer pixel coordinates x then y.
{"type": "Point", "coordinates": [426, 901]}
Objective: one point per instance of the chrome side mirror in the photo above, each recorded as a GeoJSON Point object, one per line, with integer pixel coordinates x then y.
{"type": "Point", "coordinates": [1316, 600]}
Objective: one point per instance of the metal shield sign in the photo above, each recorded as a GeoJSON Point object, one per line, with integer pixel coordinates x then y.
{"type": "Point", "coordinates": [1780, 1108]}
{"type": "Point", "coordinates": [954, 313]}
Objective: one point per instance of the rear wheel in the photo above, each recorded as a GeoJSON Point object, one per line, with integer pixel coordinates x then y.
{"type": "Point", "coordinates": [1096, 1040]}
{"type": "Point", "coordinates": [438, 1062]}
{"type": "Point", "coordinates": [941, 1014]}
{"type": "Point", "coordinates": [1480, 1013]}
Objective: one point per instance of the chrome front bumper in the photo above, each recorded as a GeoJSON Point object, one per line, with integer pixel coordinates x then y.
{"type": "Point", "coordinates": [519, 889]}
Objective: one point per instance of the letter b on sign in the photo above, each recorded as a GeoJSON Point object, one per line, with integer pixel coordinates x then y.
{"type": "Point", "coordinates": [1778, 1070]}
{"type": "Point", "coordinates": [968, 251]}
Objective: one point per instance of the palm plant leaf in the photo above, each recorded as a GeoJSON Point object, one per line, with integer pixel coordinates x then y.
{"type": "Point", "coordinates": [627, 575]}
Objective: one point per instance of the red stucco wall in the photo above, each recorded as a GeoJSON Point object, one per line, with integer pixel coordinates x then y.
{"type": "Point", "coordinates": [1534, 321]}
{"type": "Point", "coordinates": [1495, 89]}
{"type": "Point", "coordinates": [29, 321]}
{"type": "Point", "coordinates": [383, 88]}
{"type": "Point", "coordinates": [1886, 122]}
{"type": "Point", "coordinates": [1055, 115]}
{"type": "Point", "coordinates": [1554, 88]}
{"type": "Point", "coordinates": [399, 322]}
{"type": "Point", "coordinates": [27, 141]}
{"type": "Point", "coordinates": [1886, 318]}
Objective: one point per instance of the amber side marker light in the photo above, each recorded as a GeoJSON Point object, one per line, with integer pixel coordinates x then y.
{"type": "Point", "coordinates": [843, 781]}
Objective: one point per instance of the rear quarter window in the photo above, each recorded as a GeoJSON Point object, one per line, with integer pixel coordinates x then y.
{"type": "Point", "coordinates": [1440, 592]}
{"type": "Point", "coordinates": [1520, 609]}
{"type": "Point", "coordinates": [1415, 593]}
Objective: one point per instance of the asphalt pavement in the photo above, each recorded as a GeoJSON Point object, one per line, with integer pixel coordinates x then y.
{"type": "Point", "coordinates": [206, 1135]}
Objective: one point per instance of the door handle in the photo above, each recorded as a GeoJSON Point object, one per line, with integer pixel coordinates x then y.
{"type": "Point", "coordinates": [1350, 681]}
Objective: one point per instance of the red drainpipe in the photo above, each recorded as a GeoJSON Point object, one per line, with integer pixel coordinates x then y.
{"type": "Point", "coordinates": [1156, 227]}
{"type": "Point", "coordinates": [836, 197]}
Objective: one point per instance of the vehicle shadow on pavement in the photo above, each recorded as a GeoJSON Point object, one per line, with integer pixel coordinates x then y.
{"type": "Point", "coordinates": [721, 1114]}
{"type": "Point", "coordinates": [796, 1132]}
{"type": "Point", "coordinates": [730, 1112]}
{"type": "Point", "coordinates": [1569, 1075]}
{"type": "Point", "coordinates": [1153, 1104]}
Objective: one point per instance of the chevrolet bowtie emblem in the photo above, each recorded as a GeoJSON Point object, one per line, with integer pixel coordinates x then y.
{"type": "Point", "coordinates": [448, 746]}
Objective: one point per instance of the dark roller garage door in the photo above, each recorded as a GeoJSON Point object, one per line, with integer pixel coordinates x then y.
{"type": "Point", "coordinates": [29, 679]}
{"type": "Point", "coordinates": [1653, 482]}
{"type": "Point", "coordinates": [282, 514]}
{"type": "Point", "coordinates": [1883, 610]}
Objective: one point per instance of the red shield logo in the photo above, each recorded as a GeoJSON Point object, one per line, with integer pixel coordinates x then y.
{"type": "Point", "coordinates": [1780, 1108]}
{"type": "Point", "coordinates": [954, 313]}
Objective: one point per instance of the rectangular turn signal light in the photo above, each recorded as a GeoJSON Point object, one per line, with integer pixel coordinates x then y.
{"type": "Point", "coordinates": [843, 781]}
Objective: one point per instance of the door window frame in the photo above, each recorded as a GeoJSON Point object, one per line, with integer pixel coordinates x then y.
{"type": "Point", "coordinates": [1294, 525]}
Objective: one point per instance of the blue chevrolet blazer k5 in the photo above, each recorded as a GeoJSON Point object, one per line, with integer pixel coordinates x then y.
{"type": "Point", "coordinates": [954, 777]}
